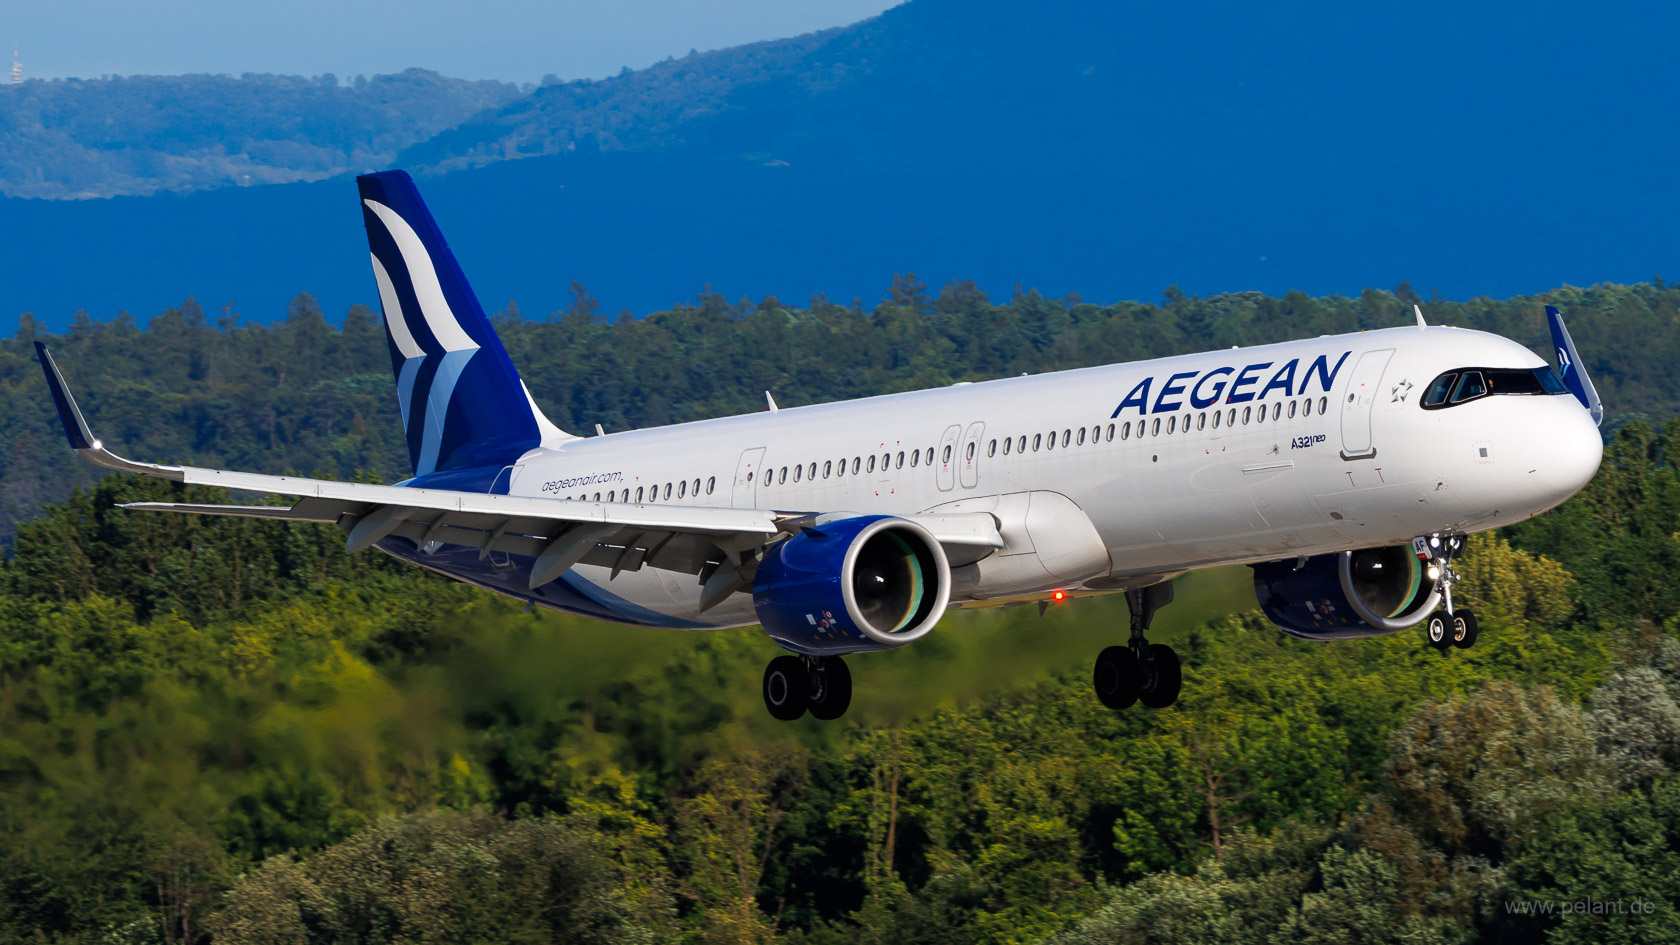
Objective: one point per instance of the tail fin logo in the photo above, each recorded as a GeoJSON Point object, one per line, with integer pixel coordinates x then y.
{"type": "Point", "coordinates": [456, 346]}
{"type": "Point", "coordinates": [463, 404]}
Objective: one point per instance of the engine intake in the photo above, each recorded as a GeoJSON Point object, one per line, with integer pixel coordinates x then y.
{"type": "Point", "coordinates": [866, 583]}
{"type": "Point", "coordinates": [1348, 594]}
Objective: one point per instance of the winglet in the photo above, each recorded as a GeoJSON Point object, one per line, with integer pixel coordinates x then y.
{"type": "Point", "coordinates": [1569, 366]}
{"type": "Point", "coordinates": [75, 428]}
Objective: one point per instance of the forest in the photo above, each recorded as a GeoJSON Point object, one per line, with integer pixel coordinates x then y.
{"type": "Point", "coordinates": [230, 731]}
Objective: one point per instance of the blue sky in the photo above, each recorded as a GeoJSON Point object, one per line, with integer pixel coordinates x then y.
{"type": "Point", "coordinates": [514, 40]}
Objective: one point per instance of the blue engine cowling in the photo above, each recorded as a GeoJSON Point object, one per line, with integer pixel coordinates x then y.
{"type": "Point", "coordinates": [871, 582]}
{"type": "Point", "coordinates": [1348, 594]}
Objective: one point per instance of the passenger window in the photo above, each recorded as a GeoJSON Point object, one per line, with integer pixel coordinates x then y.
{"type": "Point", "coordinates": [1323, 404]}
{"type": "Point", "coordinates": [1037, 439]}
{"type": "Point", "coordinates": [1081, 436]}
{"type": "Point", "coordinates": [1231, 418]}
{"type": "Point", "coordinates": [1125, 430]}
{"type": "Point", "coordinates": [749, 479]}
{"type": "Point", "coordinates": [1247, 412]}
{"type": "Point", "coordinates": [828, 468]}
{"type": "Point", "coordinates": [970, 454]}
{"type": "Point", "coordinates": [638, 495]}
{"type": "Point", "coordinates": [1021, 445]}
{"type": "Point", "coordinates": [1201, 421]}
{"type": "Point", "coordinates": [1067, 437]}
{"type": "Point", "coordinates": [811, 473]}
{"type": "Point", "coordinates": [1306, 408]}
{"type": "Point", "coordinates": [946, 456]}
{"type": "Point", "coordinates": [1007, 443]}
{"type": "Point", "coordinates": [711, 482]}
{"type": "Point", "coordinates": [857, 465]}
{"type": "Point", "coordinates": [871, 463]}
{"type": "Point", "coordinates": [1216, 419]}
{"type": "Point", "coordinates": [1470, 386]}
{"type": "Point", "coordinates": [597, 497]}
{"type": "Point", "coordinates": [991, 449]}
{"type": "Point", "coordinates": [900, 463]}
{"type": "Point", "coordinates": [796, 472]}
{"type": "Point", "coordinates": [1155, 428]}
{"type": "Point", "coordinates": [1111, 431]}
{"type": "Point", "coordinates": [886, 461]}
{"type": "Point", "coordinates": [1292, 409]}
{"type": "Point", "coordinates": [929, 459]}
{"type": "Point", "coordinates": [1172, 424]}
{"type": "Point", "coordinates": [1277, 410]}
{"type": "Point", "coordinates": [1050, 441]}
{"type": "Point", "coordinates": [668, 491]}
{"type": "Point", "coordinates": [682, 489]}
{"type": "Point", "coordinates": [915, 457]}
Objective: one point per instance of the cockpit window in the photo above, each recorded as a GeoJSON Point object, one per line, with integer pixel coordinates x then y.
{"type": "Point", "coordinates": [1470, 386]}
{"type": "Point", "coordinates": [1438, 391]}
{"type": "Point", "coordinates": [1466, 384]}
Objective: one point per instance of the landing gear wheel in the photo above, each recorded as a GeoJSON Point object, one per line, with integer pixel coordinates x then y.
{"type": "Point", "coordinates": [1439, 630]}
{"type": "Point", "coordinates": [833, 690]}
{"type": "Point", "coordinates": [1463, 629]}
{"type": "Point", "coordinates": [1162, 690]}
{"type": "Point", "coordinates": [786, 688]}
{"type": "Point", "coordinates": [1118, 677]}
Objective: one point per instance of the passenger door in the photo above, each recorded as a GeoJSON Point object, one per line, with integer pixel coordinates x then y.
{"type": "Point", "coordinates": [748, 473]}
{"type": "Point", "coordinates": [1361, 396]}
{"type": "Point", "coordinates": [969, 459]}
{"type": "Point", "coordinates": [946, 458]}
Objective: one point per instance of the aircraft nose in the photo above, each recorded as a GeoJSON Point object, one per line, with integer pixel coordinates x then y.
{"type": "Point", "coordinates": [1573, 452]}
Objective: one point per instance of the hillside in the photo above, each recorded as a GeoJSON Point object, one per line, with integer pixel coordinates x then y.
{"type": "Point", "coordinates": [1116, 151]}
{"type": "Point", "coordinates": [83, 138]}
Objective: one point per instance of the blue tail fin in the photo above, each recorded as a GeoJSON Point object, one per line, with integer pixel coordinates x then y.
{"type": "Point", "coordinates": [463, 404]}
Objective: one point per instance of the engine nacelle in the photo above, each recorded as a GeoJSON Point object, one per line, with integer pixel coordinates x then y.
{"type": "Point", "coordinates": [1349, 594]}
{"type": "Point", "coordinates": [867, 583]}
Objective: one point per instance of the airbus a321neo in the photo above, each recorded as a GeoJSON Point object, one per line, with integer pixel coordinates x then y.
{"type": "Point", "coordinates": [1346, 470]}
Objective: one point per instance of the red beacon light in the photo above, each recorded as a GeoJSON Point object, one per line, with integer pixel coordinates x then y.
{"type": "Point", "coordinates": [1059, 596]}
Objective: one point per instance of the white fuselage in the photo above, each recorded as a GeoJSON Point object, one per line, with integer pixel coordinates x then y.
{"type": "Point", "coordinates": [1145, 480]}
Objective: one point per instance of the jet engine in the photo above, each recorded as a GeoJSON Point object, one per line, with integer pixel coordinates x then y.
{"type": "Point", "coordinates": [1348, 594]}
{"type": "Point", "coordinates": [871, 582]}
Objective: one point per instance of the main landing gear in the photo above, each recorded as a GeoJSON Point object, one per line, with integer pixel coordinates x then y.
{"type": "Point", "coordinates": [794, 685]}
{"type": "Point", "coordinates": [1450, 626]}
{"type": "Point", "coordinates": [1140, 671]}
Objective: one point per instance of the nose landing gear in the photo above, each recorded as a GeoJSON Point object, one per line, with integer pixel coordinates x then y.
{"type": "Point", "coordinates": [1140, 671]}
{"type": "Point", "coordinates": [1450, 626]}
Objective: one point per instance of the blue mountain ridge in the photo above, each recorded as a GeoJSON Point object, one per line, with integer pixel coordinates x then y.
{"type": "Point", "coordinates": [1108, 150]}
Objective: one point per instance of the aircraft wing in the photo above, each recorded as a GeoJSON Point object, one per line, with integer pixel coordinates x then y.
{"type": "Point", "coordinates": [720, 545]}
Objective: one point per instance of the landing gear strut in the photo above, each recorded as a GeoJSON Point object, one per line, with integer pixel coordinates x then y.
{"type": "Point", "coordinates": [795, 684]}
{"type": "Point", "coordinates": [1140, 671]}
{"type": "Point", "coordinates": [1450, 626]}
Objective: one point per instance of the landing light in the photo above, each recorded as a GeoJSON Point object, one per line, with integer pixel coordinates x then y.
{"type": "Point", "coordinates": [1434, 572]}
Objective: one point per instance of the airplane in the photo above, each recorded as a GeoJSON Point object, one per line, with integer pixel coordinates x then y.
{"type": "Point", "coordinates": [1347, 470]}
